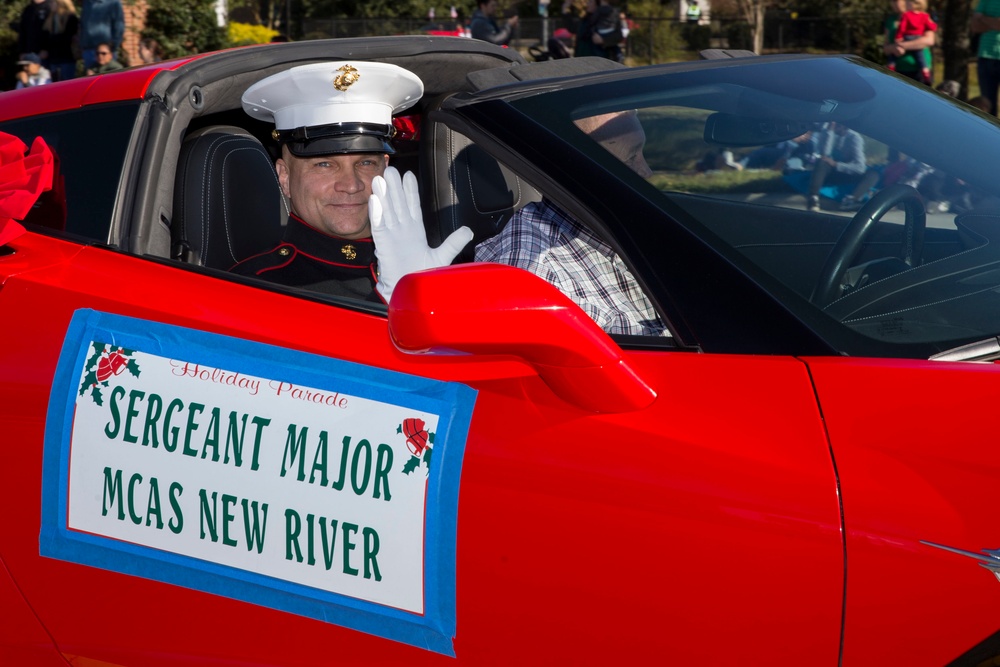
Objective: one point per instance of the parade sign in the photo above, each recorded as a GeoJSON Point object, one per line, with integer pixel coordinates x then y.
{"type": "Point", "coordinates": [280, 478]}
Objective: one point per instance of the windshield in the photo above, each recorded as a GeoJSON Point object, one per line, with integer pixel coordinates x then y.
{"type": "Point", "coordinates": [860, 199]}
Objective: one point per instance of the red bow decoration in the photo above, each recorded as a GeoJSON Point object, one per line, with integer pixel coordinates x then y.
{"type": "Point", "coordinates": [23, 178]}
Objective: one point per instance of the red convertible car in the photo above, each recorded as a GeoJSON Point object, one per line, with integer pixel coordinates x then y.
{"type": "Point", "coordinates": [202, 468]}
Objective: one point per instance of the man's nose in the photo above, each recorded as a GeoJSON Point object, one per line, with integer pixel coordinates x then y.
{"type": "Point", "coordinates": [348, 181]}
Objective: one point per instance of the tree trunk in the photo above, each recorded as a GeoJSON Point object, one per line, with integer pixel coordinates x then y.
{"type": "Point", "coordinates": [758, 27]}
{"type": "Point", "coordinates": [753, 14]}
{"type": "Point", "coordinates": [954, 41]}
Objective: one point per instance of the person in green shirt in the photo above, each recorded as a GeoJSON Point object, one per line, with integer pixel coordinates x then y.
{"type": "Point", "coordinates": [105, 60]}
{"type": "Point", "coordinates": [986, 24]}
{"type": "Point", "coordinates": [903, 52]}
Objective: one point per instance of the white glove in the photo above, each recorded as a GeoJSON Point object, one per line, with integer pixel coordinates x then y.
{"type": "Point", "coordinates": [399, 235]}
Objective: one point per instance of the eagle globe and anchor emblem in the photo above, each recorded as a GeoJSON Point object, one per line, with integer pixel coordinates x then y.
{"type": "Point", "coordinates": [348, 76]}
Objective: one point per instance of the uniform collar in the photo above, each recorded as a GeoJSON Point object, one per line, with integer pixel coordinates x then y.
{"type": "Point", "coordinates": [311, 241]}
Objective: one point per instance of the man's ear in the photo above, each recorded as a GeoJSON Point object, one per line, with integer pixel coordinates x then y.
{"type": "Point", "coordinates": [282, 168]}
{"type": "Point", "coordinates": [385, 161]}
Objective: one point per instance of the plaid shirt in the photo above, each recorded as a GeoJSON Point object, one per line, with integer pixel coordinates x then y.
{"type": "Point", "coordinates": [544, 240]}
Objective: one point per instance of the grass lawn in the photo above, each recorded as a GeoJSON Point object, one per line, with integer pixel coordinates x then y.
{"type": "Point", "coordinates": [725, 182]}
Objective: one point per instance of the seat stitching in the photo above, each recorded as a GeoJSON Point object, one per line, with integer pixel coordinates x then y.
{"type": "Point", "coordinates": [225, 210]}
{"type": "Point", "coordinates": [916, 268]}
{"type": "Point", "coordinates": [212, 149]}
{"type": "Point", "coordinates": [453, 177]}
{"type": "Point", "coordinates": [923, 305]}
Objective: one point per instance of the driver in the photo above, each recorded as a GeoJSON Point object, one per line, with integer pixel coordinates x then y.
{"type": "Point", "coordinates": [544, 239]}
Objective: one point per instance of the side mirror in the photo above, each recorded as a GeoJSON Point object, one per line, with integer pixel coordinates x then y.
{"type": "Point", "coordinates": [497, 309]}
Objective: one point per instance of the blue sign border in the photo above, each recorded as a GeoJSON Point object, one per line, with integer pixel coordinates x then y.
{"type": "Point", "coordinates": [453, 402]}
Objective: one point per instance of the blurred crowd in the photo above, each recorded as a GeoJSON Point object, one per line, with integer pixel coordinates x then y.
{"type": "Point", "coordinates": [830, 165]}
{"type": "Point", "coordinates": [56, 41]}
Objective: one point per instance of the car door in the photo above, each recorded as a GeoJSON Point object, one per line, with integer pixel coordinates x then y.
{"type": "Point", "coordinates": [915, 452]}
{"type": "Point", "coordinates": [705, 516]}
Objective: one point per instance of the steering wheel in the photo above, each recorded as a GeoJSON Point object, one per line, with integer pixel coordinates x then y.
{"type": "Point", "coordinates": [828, 287]}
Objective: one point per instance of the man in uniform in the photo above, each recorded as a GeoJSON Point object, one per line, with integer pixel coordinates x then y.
{"type": "Point", "coordinates": [334, 124]}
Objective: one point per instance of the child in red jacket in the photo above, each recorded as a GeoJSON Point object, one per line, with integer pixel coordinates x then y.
{"type": "Point", "coordinates": [915, 22]}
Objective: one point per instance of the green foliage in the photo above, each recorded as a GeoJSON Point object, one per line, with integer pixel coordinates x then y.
{"type": "Point", "coordinates": [245, 11]}
{"type": "Point", "coordinates": [242, 34]}
{"type": "Point", "coordinates": [871, 48]}
{"type": "Point", "coordinates": [698, 37]}
{"type": "Point", "coordinates": [739, 36]}
{"type": "Point", "coordinates": [722, 182]}
{"type": "Point", "coordinates": [656, 35]}
{"type": "Point", "coordinates": [411, 464]}
{"type": "Point", "coordinates": [183, 27]}
{"type": "Point", "coordinates": [10, 12]}
{"type": "Point", "coordinates": [390, 8]}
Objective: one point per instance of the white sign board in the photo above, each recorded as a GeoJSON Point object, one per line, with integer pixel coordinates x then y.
{"type": "Point", "coordinates": [286, 471]}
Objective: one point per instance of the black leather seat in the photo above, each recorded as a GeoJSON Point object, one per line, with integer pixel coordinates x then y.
{"type": "Point", "coordinates": [463, 185]}
{"type": "Point", "coordinates": [227, 201]}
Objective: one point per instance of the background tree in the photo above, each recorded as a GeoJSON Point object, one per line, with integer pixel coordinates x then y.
{"type": "Point", "coordinates": [355, 9]}
{"type": "Point", "coordinates": [852, 26]}
{"type": "Point", "coordinates": [248, 11]}
{"type": "Point", "coordinates": [183, 27]}
{"type": "Point", "coordinates": [655, 32]}
{"type": "Point", "coordinates": [753, 12]}
{"type": "Point", "coordinates": [10, 14]}
{"type": "Point", "coordinates": [954, 40]}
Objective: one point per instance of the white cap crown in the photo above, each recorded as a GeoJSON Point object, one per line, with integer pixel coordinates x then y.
{"type": "Point", "coordinates": [334, 92]}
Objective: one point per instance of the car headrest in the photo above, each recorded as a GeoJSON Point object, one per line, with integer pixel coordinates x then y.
{"type": "Point", "coordinates": [463, 185]}
{"type": "Point", "coordinates": [227, 201]}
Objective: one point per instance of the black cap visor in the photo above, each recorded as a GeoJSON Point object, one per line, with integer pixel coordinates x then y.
{"type": "Point", "coordinates": [337, 138]}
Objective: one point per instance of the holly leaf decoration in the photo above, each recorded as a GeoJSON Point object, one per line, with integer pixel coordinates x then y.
{"type": "Point", "coordinates": [427, 457]}
{"type": "Point", "coordinates": [430, 438]}
{"type": "Point", "coordinates": [132, 367]}
{"type": "Point", "coordinates": [98, 351]}
{"type": "Point", "coordinates": [89, 380]}
{"type": "Point", "coordinates": [97, 395]}
{"type": "Point", "coordinates": [411, 465]}
{"type": "Point", "coordinates": [399, 429]}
